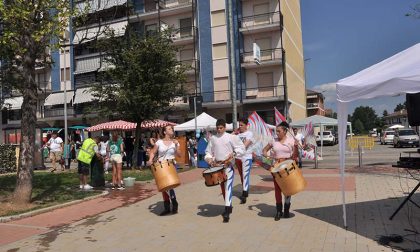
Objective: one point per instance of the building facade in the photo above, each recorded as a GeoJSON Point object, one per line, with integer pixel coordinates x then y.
{"type": "Point", "coordinates": [315, 103]}
{"type": "Point", "coordinates": [201, 30]}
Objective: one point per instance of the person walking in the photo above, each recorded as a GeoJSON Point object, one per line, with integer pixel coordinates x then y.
{"type": "Point", "coordinates": [221, 150]}
{"type": "Point", "coordinates": [282, 148]}
{"type": "Point", "coordinates": [244, 163]}
{"type": "Point", "coordinates": [115, 151]}
{"type": "Point", "coordinates": [166, 148]}
{"type": "Point", "coordinates": [85, 156]}
{"type": "Point", "coordinates": [56, 151]}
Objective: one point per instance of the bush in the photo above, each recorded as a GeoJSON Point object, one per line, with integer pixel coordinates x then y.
{"type": "Point", "coordinates": [7, 158]}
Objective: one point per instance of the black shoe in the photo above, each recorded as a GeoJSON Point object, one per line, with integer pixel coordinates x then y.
{"type": "Point", "coordinates": [279, 213]}
{"type": "Point", "coordinates": [243, 197]}
{"type": "Point", "coordinates": [286, 210]}
{"type": "Point", "coordinates": [167, 208]}
{"type": "Point", "coordinates": [174, 206]}
{"type": "Point", "coordinates": [228, 210]}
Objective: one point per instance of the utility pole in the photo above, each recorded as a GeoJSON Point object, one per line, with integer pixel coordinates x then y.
{"type": "Point", "coordinates": [232, 66]}
{"type": "Point", "coordinates": [65, 102]}
{"type": "Point", "coordinates": [283, 67]}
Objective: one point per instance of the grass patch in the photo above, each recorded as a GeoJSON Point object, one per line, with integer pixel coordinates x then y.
{"type": "Point", "coordinates": [51, 189]}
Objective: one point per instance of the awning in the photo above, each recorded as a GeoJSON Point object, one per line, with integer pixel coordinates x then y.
{"type": "Point", "coordinates": [89, 34]}
{"type": "Point", "coordinates": [13, 102]}
{"type": "Point", "coordinates": [83, 95]}
{"type": "Point", "coordinates": [58, 98]}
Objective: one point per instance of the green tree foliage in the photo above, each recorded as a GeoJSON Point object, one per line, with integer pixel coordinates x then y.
{"type": "Point", "coordinates": [30, 30]}
{"type": "Point", "coordinates": [400, 107]}
{"type": "Point", "coordinates": [144, 78]}
{"type": "Point", "coordinates": [366, 116]}
{"type": "Point", "coordinates": [385, 113]}
{"type": "Point", "coordinates": [358, 127]}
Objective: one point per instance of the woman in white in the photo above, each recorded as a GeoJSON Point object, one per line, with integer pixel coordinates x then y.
{"type": "Point", "coordinates": [167, 148]}
{"type": "Point", "coordinates": [103, 147]}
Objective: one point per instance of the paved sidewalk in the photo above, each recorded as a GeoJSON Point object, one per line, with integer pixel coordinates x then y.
{"type": "Point", "coordinates": [315, 225]}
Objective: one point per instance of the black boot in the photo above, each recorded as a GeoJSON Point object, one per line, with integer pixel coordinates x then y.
{"type": "Point", "coordinates": [279, 212]}
{"type": "Point", "coordinates": [286, 210]}
{"type": "Point", "coordinates": [243, 197]}
{"type": "Point", "coordinates": [174, 206]}
{"type": "Point", "coordinates": [167, 208]}
{"type": "Point", "coordinates": [228, 210]}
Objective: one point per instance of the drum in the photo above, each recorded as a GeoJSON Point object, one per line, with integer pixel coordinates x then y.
{"type": "Point", "coordinates": [289, 177]}
{"type": "Point", "coordinates": [165, 175]}
{"type": "Point", "coordinates": [214, 175]}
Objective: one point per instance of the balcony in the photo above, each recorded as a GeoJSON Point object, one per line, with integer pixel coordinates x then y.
{"type": "Point", "coordinates": [190, 64]}
{"type": "Point", "coordinates": [167, 8]}
{"type": "Point", "coordinates": [261, 23]}
{"type": "Point", "coordinates": [58, 112]}
{"type": "Point", "coordinates": [90, 63]}
{"type": "Point", "coordinates": [270, 57]}
{"type": "Point", "coordinates": [183, 35]}
{"type": "Point", "coordinates": [313, 105]}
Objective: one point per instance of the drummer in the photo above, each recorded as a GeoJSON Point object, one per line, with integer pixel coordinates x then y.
{"type": "Point", "coordinates": [167, 148]}
{"type": "Point", "coordinates": [244, 163]}
{"type": "Point", "coordinates": [282, 148]}
{"type": "Point", "coordinates": [221, 150]}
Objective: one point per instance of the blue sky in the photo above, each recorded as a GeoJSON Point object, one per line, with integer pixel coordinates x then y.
{"type": "Point", "coordinates": [342, 37]}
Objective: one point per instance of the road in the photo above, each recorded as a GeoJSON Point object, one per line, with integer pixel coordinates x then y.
{"type": "Point", "coordinates": [378, 155]}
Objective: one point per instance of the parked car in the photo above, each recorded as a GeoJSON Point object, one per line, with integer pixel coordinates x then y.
{"type": "Point", "coordinates": [327, 138]}
{"type": "Point", "coordinates": [406, 137]}
{"type": "Point", "coordinates": [387, 137]}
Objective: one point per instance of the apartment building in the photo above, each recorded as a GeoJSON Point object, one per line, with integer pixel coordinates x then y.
{"type": "Point", "coordinates": [201, 31]}
{"type": "Point", "coordinates": [315, 103]}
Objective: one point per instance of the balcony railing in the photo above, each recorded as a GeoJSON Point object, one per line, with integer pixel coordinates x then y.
{"type": "Point", "coordinates": [265, 55]}
{"type": "Point", "coordinates": [183, 33]}
{"type": "Point", "coordinates": [57, 112]}
{"type": "Point", "coordinates": [151, 6]}
{"type": "Point", "coordinates": [261, 19]}
{"type": "Point", "coordinates": [248, 93]}
{"type": "Point", "coordinates": [312, 105]}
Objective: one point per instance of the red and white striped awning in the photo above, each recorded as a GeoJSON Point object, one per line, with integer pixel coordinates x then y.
{"type": "Point", "coordinates": [156, 124]}
{"type": "Point", "coordinates": [124, 125]}
{"type": "Point", "coordinates": [115, 125]}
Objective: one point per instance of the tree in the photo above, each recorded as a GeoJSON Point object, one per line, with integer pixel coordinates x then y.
{"type": "Point", "coordinates": [358, 127]}
{"type": "Point", "coordinates": [400, 107]}
{"type": "Point", "coordinates": [366, 116]}
{"type": "Point", "coordinates": [30, 30]}
{"type": "Point", "coordinates": [385, 113]}
{"type": "Point", "coordinates": [144, 78]}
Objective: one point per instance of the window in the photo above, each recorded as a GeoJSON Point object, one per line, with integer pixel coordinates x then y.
{"type": "Point", "coordinates": [265, 47]}
{"type": "Point", "coordinates": [67, 74]}
{"type": "Point", "coordinates": [265, 85]}
{"type": "Point", "coordinates": [219, 51]}
{"type": "Point", "coordinates": [185, 25]}
{"type": "Point", "coordinates": [151, 29]}
{"type": "Point", "coordinates": [261, 13]}
{"type": "Point", "coordinates": [218, 18]}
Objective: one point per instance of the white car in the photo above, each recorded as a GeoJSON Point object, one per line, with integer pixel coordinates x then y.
{"type": "Point", "coordinates": [387, 137]}
{"type": "Point", "coordinates": [327, 138]}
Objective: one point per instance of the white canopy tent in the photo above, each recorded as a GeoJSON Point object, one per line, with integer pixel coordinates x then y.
{"type": "Point", "coordinates": [395, 75]}
{"type": "Point", "coordinates": [204, 121]}
{"type": "Point", "coordinates": [318, 120]}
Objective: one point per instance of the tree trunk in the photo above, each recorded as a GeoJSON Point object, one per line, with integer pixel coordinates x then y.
{"type": "Point", "coordinates": [136, 145]}
{"type": "Point", "coordinates": [23, 190]}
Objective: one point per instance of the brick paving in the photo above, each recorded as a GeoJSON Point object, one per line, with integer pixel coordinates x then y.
{"type": "Point", "coordinates": [129, 221]}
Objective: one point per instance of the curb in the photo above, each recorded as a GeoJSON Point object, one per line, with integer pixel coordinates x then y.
{"type": "Point", "coordinates": [47, 209]}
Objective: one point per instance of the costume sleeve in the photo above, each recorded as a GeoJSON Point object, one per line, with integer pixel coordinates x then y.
{"type": "Point", "coordinates": [237, 145]}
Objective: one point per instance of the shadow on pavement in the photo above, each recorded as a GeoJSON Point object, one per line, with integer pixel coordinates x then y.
{"type": "Point", "coordinates": [371, 220]}
{"type": "Point", "coordinates": [264, 210]}
{"type": "Point", "coordinates": [210, 210]}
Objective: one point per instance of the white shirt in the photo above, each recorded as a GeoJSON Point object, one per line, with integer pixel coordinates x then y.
{"type": "Point", "coordinates": [165, 151]}
{"type": "Point", "coordinates": [55, 144]}
{"type": "Point", "coordinates": [221, 146]}
{"type": "Point", "coordinates": [299, 137]}
{"type": "Point", "coordinates": [103, 148]}
{"type": "Point", "coordinates": [247, 135]}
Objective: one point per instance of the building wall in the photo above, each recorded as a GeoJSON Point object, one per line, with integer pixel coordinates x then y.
{"type": "Point", "coordinates": [292, 42]}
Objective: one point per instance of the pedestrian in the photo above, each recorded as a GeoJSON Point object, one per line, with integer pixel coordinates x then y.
{"type": "Point", "coordinates": [192, 143]}
{"type": "Point", "coordinates": [220, 151]}
{"type": "Point", "coordinates": [129, 148]}
{"type": "Point", "coordinates": [103, 145]}
{"type": "Point", "coordinates": [299, 137]}
{"type": "Point", "coordinates": [115, 152]}
{"type": "Point", "coordinates": [166, 148]}
{"type": "Point", "coordinates": [282, 148]}
{"type": "Point", "coordinates": [86, 154]}
{"type": "Point", "coordinates": [56, 151]}
{"type": "Point", "coordinates": [244, 163]}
